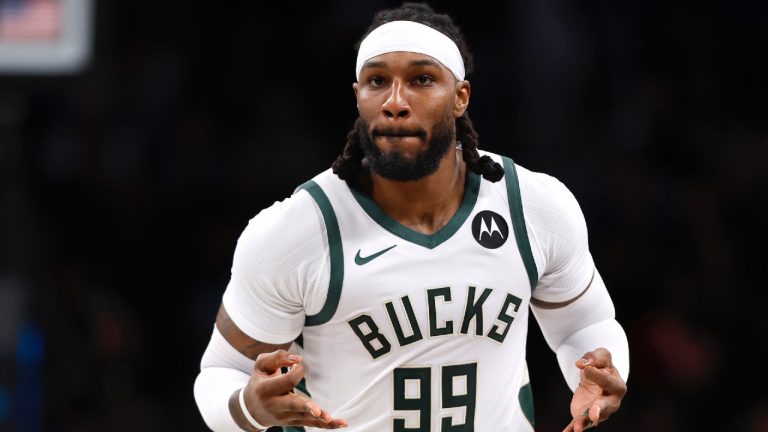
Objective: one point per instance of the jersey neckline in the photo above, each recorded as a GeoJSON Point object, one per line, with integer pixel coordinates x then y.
{"type": "Point", "coordinates": [429, 241]}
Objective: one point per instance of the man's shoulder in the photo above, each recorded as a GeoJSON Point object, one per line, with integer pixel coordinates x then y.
{"type": "Point", "coordinates": [549, 205]}
{"type": "Point", "coordinates": [533, 184]}
{"type": "Point", "coordinates": [539, 185]}
{"type": "Point", "coordinates": [297, 205]}
{"type": "Point", "coordinates": [541, 193]}
{"type": "Point", "coordinates": [285, 226]}
{"type": "Point", "coordinates": [325, 180]}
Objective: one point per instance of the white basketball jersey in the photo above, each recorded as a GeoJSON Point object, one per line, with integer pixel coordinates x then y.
{"type": "Point", "coordinates": [423, 332]}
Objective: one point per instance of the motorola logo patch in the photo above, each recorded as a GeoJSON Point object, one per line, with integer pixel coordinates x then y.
{"type": "Point", "coordinates": [490, 229]}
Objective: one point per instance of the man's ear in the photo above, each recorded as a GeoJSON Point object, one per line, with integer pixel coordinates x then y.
{"type": "Point", "coordinates": [463, 91]}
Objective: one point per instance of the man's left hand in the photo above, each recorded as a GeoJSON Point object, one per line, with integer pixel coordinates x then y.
{"type": "Point", "coordinates": [599, 393]}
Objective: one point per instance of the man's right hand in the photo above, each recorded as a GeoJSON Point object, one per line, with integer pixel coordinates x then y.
{"type": "Point", "coordinates": [270, 399]}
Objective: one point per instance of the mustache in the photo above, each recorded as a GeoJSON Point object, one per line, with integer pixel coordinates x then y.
{"type": "Point", "coordinates": [389, 131]}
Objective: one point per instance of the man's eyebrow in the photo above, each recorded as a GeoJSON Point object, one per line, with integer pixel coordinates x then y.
{"type": "Point", "coordinates": [373, 64]}
{"type": "Point", "coordinates": [420, 62]}
{"type": "Point", "coordinates": [423, 62]}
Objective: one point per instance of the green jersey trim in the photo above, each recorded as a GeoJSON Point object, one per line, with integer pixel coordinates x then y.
{"type": "Point", "coordinates": [518, 221]}
{"type": "Point", "coordinates": [431, 241]}
{"type": "Point", "coordinates": [336, 253]}
{"type": "Point", "coordinates": [525, 396]}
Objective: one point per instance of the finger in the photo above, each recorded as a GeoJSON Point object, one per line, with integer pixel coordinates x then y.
{"type": "Point", "coordinates": [284, 383]}
{"type": "Point", "coordinates": [312, 407]}
{"type": "Point", "coordinates": [294, 404]}
{"type": "Point", "coordinates": [270, 363]}
{"type": "Point", "coordinates": [308, 420]}
{"type": "Point", "coordinates": [594, 413]}
{"type": "Point", "coordinates": [578, 424]}
{"type": "Point", "coordinates": [316, 411]}
{"type": "Point", "coordinates": [296, 409]}
{"type": "Point", "coordinates": [298, 403]}
{"type": "Point", "coordinates": [569, 428]}
{"type": "Point", "coordinates": [583, 423]}
{"type": "Point", "coordinates": [600, 358]}
{"type": "Point", "coordinates": [330, 424]}
{"type": "Point", "coordinates": [608, 382]}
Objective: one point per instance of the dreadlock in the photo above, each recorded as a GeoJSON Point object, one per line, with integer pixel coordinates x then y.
{"type": "Point", "coordinates": [347, 165]}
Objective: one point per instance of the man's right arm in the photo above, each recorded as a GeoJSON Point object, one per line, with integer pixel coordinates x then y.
{"type": "Point", "coordinates": [244, 344]}
{"type": "Point", "coordinates": [234, 361]}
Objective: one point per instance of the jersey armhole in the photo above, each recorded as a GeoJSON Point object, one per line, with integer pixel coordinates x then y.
{"type": "Point", "coordinates": [518, 221]}
{"type": "Point", "coordinates": [336, 254]}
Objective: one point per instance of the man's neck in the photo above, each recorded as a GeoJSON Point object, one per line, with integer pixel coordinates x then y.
{"type": "Point", "coordinates": [424, 205]}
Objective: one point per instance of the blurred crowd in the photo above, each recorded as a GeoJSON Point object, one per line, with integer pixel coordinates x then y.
{"type": "Point", "coordinates": [124, 187]}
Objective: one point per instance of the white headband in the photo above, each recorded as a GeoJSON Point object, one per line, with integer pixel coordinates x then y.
{"type": "Point", "coordinates": [411, 37]}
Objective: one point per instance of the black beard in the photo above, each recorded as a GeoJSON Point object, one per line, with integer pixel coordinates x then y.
{"type": "Point", "coordinates": [393, 165]}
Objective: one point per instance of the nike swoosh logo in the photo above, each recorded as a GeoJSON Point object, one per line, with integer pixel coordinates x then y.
{"type": "Point", "coordinates": [365, 260]}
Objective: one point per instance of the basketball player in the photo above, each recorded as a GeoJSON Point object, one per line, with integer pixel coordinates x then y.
{"type": "Point", "coordinates": [395, 287]}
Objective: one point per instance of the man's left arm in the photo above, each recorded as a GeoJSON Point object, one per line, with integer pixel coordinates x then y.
{"type": "Point", "coordinates": [572, 305]}
{"type": "Point", "coordinates": [592, 351]}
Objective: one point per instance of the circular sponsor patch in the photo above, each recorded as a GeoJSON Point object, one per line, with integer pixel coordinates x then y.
{"type": "Point", "coordinates": [490, 229]}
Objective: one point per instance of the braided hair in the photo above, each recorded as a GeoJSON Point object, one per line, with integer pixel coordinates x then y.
{"type": "Point", "coordinates": [347, 165]}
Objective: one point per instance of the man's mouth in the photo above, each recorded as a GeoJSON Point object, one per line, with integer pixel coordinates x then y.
{"type": "Point", "coordinates": [395, 137]}
{"type": "Point", "coordinates": [394, 134]}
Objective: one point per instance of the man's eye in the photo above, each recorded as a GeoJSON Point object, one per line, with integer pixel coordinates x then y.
{"type": "Point", "coordinates": [376, 81]}
{"type": "Point", "coordinates": [424, 80]}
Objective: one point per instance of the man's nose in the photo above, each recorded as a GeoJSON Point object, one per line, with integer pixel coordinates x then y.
{"type": "Point", "coordinates": [396, 106]}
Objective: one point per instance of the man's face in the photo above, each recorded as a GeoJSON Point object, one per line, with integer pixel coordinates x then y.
{"type": "Point", "coordinates": [408, 104]}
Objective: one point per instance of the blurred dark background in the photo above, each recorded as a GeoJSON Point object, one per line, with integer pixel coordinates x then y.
{"type": "Point", "coordinates": [124, 187]}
